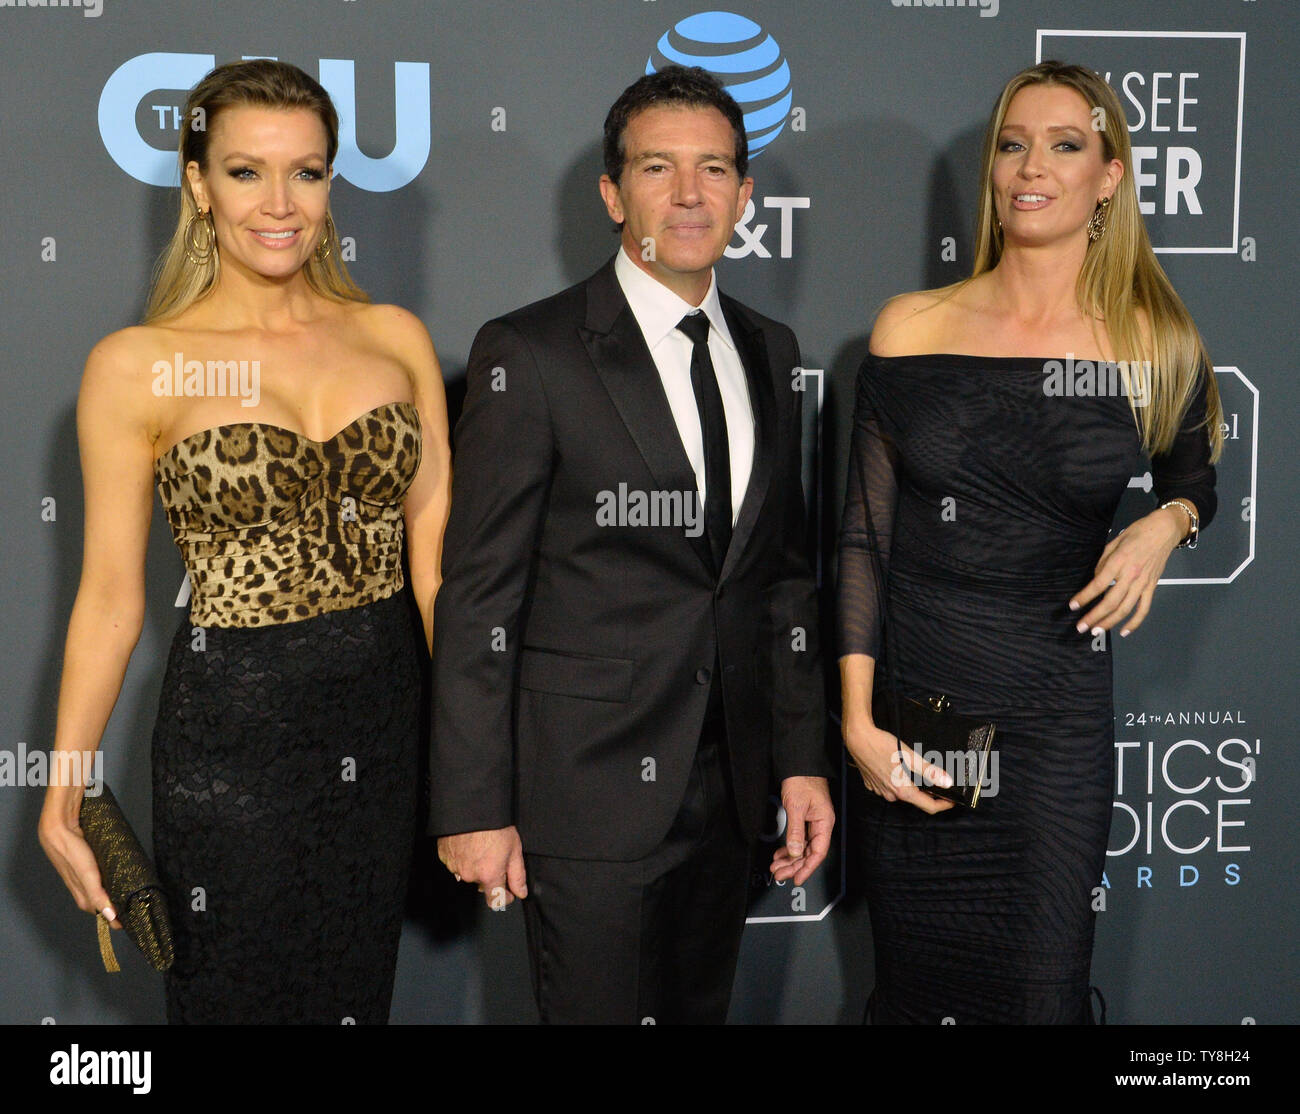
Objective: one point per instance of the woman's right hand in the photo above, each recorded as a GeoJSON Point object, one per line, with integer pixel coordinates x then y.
{"type": "Point", "coordinates": [72, 858]}
{"type": "Point", "coordinates": [891, 770]}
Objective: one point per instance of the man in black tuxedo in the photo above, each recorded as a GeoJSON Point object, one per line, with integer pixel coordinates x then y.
{"type": "Point", "coordinates": [625, 639]}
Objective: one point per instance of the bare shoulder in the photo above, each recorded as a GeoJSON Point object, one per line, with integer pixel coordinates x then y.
{"type": "Point", "coordinates": [123, 350]}
{"type": "Point", "coordinates": [117, 393]}
{"type": "Point", "coordinates": [396, 329]}
{"type": "Point", "coordinates": [401, 335]}
{"type": "Point", "coordinates": [906, 322]}
{"type": "Point", "coordinates": [125, 359]}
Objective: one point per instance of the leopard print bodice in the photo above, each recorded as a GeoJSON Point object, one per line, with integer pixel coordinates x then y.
{"type": "Point", "coordinates": [275, 527]}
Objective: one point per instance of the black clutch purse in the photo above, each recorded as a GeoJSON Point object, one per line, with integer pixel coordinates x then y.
{"type": "Point", "coordinates": [130, 880]}
{"type": "Point", "coordinates": [959, 744]}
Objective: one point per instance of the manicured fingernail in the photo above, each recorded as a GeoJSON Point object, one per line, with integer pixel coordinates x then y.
{"type": "Point", "coordinates": [1123, 634]}
{"type": "Point", "coordinates": [1096, 631]}
{"type": "Point", "coordinates": [1074, 605]}
{"type": "Point", "coordinates": [1081, 626]}
{"type": "Point", "coordinates": [109, 914]}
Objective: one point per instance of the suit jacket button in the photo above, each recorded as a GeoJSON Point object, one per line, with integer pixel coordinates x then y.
{"type": "Point", "coordinates": [702, 676]}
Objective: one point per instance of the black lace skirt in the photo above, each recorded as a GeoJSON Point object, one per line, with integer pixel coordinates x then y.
{"type": "Point", "coordinates": [284, 802]}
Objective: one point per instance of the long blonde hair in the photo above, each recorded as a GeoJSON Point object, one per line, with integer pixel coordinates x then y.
{"type": "Point", "coordinates": [178, 281]}
{"type": "Point", "coordinates": [1120, 274]}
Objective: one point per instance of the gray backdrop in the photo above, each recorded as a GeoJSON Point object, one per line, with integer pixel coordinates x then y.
{"type": "Point", "coordinates": [468, 186]}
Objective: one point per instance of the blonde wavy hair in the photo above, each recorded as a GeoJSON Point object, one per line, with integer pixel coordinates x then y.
{"type": "Point", "coordinates": [178, 281]}
{"type": "Point", "coordinates": [1120, 277]}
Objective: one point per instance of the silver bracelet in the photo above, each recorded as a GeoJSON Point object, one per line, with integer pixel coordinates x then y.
{"type": "Point", "coordinates": [1188, 542]}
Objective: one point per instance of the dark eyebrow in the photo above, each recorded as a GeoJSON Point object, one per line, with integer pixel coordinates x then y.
{"type": "Point", "coordinates": [665, 156]}
{"type": "Point", "coordinates": [241, 157]}
{"type": "Point", "coordinates": [1052, 128]}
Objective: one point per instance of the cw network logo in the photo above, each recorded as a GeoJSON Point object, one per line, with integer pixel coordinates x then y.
{"type": "Point", "coordinates": [751, 65]}
{"type": "Point", "coordinates": [154, 163]}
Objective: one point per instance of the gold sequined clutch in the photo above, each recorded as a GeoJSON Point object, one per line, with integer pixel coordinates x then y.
{"type": "Point", "coordinates": [130, 880]}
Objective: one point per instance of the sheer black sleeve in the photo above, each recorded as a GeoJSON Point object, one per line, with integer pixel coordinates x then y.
{"type": "Point", "coordinates": [1185, 470]}
{"type": "Point", "coordinates": [870, 498]}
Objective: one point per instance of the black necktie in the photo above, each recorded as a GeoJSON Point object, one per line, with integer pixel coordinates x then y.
{"type": "Point", "coordinates": [713, 426]}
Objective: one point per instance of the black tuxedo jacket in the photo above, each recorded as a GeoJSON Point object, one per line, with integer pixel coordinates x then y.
{"type": "Point", "coordinates": [572, 657]}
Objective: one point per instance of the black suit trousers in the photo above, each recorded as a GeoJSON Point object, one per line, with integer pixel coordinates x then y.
{"type": "Point", "coordinates": [654, 940]}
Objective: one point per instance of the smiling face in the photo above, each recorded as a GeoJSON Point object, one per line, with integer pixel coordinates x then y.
{"type": "Point", "coordinates": [680, 195]}
{"type": "Point", "coordinates": [267, 184]}
{"type": "Point", "coordinates": [1050, 169]}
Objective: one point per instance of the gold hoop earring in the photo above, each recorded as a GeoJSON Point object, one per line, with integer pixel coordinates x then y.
{"type": "Point", "coordinates": [1097, 224]}
{"type": "Point", "coordinates": [326, 246]}
{"type": "Point", "coordinates": [199, 249]}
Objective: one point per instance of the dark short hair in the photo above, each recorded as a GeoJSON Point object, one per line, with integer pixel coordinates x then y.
{"type": "Point", "coordinates": [673, 86]}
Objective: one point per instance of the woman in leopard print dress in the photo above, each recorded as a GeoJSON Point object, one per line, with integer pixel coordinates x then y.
{"type": "Point", "coordinates": [297, 435]}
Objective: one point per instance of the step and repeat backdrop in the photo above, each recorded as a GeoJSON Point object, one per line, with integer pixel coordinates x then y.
{"type": "Point", "coordinates": [466, 186]}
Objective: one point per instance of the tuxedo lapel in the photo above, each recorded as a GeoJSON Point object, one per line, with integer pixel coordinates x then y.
{"type": "Point", "coordinates": [758, 374]}
{"type": "Point", "coordinates": [618, 351]}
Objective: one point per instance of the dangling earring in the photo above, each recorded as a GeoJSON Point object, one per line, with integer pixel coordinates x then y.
{"type": "Point", "coordinates": [1097, 225]}
{"type": "Point", "coordinates": [326, 246]}
{"type": "Point", "coordinates": [200, 247]}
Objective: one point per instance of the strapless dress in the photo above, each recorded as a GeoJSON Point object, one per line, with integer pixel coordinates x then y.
{"type": "Point", "coordinates": [285, 749]}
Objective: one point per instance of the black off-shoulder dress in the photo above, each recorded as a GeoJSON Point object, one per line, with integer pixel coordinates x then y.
{"type": "Point", "coordinates": [992, 500]}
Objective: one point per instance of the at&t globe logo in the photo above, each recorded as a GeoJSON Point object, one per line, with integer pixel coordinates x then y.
{"type": "Point", "coordinates": [744, 57]}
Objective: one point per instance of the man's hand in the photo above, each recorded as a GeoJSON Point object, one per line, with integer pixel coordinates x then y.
{"type": "Point", "coordinates": [809, 819]}
{"type": "Point", "coordinates": [492, 859]}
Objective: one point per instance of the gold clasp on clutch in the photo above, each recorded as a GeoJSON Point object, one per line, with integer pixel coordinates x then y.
{"type": "Point", "coordinates": [939, 703]}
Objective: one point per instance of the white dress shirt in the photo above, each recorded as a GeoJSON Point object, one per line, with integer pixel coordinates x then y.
{"type": "Point", "coordinates": [658, 310]}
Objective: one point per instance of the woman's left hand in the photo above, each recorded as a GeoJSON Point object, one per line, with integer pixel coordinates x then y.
{"type": "Point", "coordinates": [1129, 570]}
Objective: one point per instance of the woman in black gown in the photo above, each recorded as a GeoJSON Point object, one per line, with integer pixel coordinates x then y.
{"type": "Point", "coordinates": [989, 487]}
{"type": "Point", "coordinates": [297, 435]}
